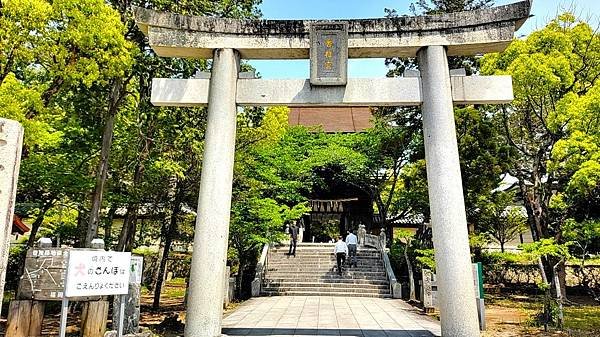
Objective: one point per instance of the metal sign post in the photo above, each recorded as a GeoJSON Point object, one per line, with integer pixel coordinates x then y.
{"type": "Point", "coordinates": [64, 310]}
{"type": "Point", "coordinates": [121, 315]}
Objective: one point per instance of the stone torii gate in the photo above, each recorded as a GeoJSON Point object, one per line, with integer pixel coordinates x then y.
{"type": "Point", "coordinates": [329, 43]}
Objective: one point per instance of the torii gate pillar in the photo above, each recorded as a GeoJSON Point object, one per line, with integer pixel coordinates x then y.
{"type": "Point", "coordinates": [446, 202]}
{"type": "Point", "coordinates": [205, 296]}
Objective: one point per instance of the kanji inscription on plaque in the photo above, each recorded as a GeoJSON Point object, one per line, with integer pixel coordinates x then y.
{"type": "Point", "coordinates": [329, 53]}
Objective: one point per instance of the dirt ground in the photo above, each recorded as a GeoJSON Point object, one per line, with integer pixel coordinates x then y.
{"type": "Point", "coordinates": [513, 315]}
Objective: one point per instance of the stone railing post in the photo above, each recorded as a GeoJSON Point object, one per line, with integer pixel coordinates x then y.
{"type": "Point", "coordinates": [260, 271]}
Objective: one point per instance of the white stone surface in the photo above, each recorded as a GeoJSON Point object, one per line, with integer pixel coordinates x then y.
{"type": "Point", "coordinates": [482, 89]}
{"type": "Point", "coordinates": [328, 316]}
{"type": "Point", "coordinates": [464, 33]}
{"type": "Point", "coordinates": [11, 143]}
{"type": "Point", "coordinates": [458, 310]}
{"type": "Point", "coordinates": [185, 43]}
{"type": "Point", "coordinates": [206, 287]}
{"type": "Point", "coordinates": [402, 91]}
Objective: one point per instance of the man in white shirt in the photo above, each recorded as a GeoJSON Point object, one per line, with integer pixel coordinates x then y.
{"type": "Point", "coordinates": [352, 242]}
{"type": "Point", "coordinates": [340, 250]}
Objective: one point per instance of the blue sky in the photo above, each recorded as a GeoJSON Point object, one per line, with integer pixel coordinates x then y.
{"type": "Point", "coordinates": [543, 11]}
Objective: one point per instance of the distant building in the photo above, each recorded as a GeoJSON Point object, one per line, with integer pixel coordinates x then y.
{"type": "Point", "coordinates": [18, 227]}
{"type": "Point", "coordinates": [340, 119]}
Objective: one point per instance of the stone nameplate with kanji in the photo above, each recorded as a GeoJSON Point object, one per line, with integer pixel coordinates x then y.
{"type": "Point", "coordinates": [329, 53]}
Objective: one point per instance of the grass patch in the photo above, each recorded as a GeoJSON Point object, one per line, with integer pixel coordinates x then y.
{"type": "Point", "coordinates": [580, 320]}
{"type": "Point", "coordinates": [584, 318]}
{"type": "Point", "coordinates": [177, 281]}
{"type": "Point", "coordinates": [174, 288]}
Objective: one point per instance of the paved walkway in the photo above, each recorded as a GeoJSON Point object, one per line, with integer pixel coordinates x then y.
{"type": "Point", "coordinates": [287, 316]}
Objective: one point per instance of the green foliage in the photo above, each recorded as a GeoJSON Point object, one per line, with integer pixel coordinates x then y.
{"type": "Point", "coordinates": [546, 248]}
{"type": "Point", "coordinates": [426, 258]}
{"type": "Point", "coordinates": [64, 41]}
{"type": "Point", "coordinates": [449, 6]}
{"type": "Point", "coordinates": [17, 102]}
{"type": "Point", "coordinates": [583, 236]}
{"type": "Point", "coordinates": [552, 125]}
{"type": "Point", "coordinates": [16, 261]}
{"type": "Point", "coordinates": [499, 217]}
{"type": "Point", "coordinates": [491, 258]}
{"type": "Point", "coordinates": [60, 224]}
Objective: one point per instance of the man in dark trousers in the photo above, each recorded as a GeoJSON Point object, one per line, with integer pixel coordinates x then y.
{"type": "Point", "coordinates": [352, 242]}
{"type": "Point", "coordinates": [293, 239]}
{"type": "Point", "coordinates": [340, 250]}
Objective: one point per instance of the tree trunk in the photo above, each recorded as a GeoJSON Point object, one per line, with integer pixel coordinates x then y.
{"type": "Point", "coordinates": [559, 294]}
{"type": "Point", "coordinates": [108, 224]}
{"type": "Point", "coordinates": [171, 231]}
{"type": "Point", "coordinates": [114, 101]}
{"type": "Point", "coordinates": [502, 246]}
{"type": "Point", "coordinates": [127, 235]}
{"type": "Point", "coordinates": [129, 229]}
{"type": "Point", "coordinates": [411, 276]}
{"type": "Point", "coordinates": [35, 226]}
{"type": "Point", "coordinates": [562, 278]}
{"type": "Point", "coordinates": [81, 226]}
{"type": "Point", "coordinates": [240, 279]}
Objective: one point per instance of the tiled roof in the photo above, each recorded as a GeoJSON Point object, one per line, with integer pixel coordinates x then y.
{"type": "Point", "coordinates": [340, 119]}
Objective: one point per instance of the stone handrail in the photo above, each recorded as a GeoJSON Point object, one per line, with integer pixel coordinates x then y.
{"type": "Point", "coordinates": [261, 268]}
{"type": "Point", "coordinates": [395, 286]}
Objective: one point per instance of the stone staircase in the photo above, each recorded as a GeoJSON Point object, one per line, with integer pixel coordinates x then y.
{"type": "Point", "coordinates": [313, 272]}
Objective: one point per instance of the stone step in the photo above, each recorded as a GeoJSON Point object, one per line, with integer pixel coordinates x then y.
{"type": "Point", "coordinates": [299, 262]}
{"type": "Point", "coordinates": [345, 279]}
{"type": "Point", "coordinates": [322, 269]}
{"type": "Point", "coordinates": [327, 290]}
{"type": "Point", "coordinates": [352, 273]}
{"type": "Point", "coordinates": [285, 250]}
{"type": "Point", "coordinates": [295, 260]}
{"type": "Point", "coordinates": [318, 257]}
{"type": "Point", "coordinates": [328, 279]}
{"type": "Point", "coordinates": [313, 272]}
{"type": "Point", "coordinates": [337, 294]}
{"type": "Point", "coordinates": [300, 249]}
{"type": "Point", "coordinates": [305, 264]}
{"type": "Point", "coordinates": [272, 284]}
{"type": "Point", "coordinates": [312, 245]}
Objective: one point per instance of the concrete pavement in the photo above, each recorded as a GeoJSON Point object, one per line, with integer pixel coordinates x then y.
{"type": "Point", "coordinates": [285, 316]}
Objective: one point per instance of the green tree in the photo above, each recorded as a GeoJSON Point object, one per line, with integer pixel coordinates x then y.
{"type": "Point", "coordinates": [483, 155]}
{"type": "Point", "coordinates": [501, 218]}
{"type": "Point", "coordinates": [548, 249]}
{"type": "Point", "coordinates": [49, 54]}
{"type": "Point", "coordinates": [406, 237]}
{"type": "Point", "coordinates": [555, 74]}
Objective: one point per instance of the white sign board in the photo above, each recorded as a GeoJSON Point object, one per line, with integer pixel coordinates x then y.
{"type": "Point", "coordinates": [137, 267]}
{"type": "Point", "coordinates": [97, 273]}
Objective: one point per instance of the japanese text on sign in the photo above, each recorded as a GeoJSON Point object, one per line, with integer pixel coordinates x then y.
{"type": "Point", "coordinates": [96, 272]}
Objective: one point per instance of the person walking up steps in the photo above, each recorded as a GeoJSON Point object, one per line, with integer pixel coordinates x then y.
{"type": "Point", "coordinates": [340, 250]}
{"type": "Point", "coordinates": [352, 242]}
{"type": "Point", "coordinates": [293, 239]}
